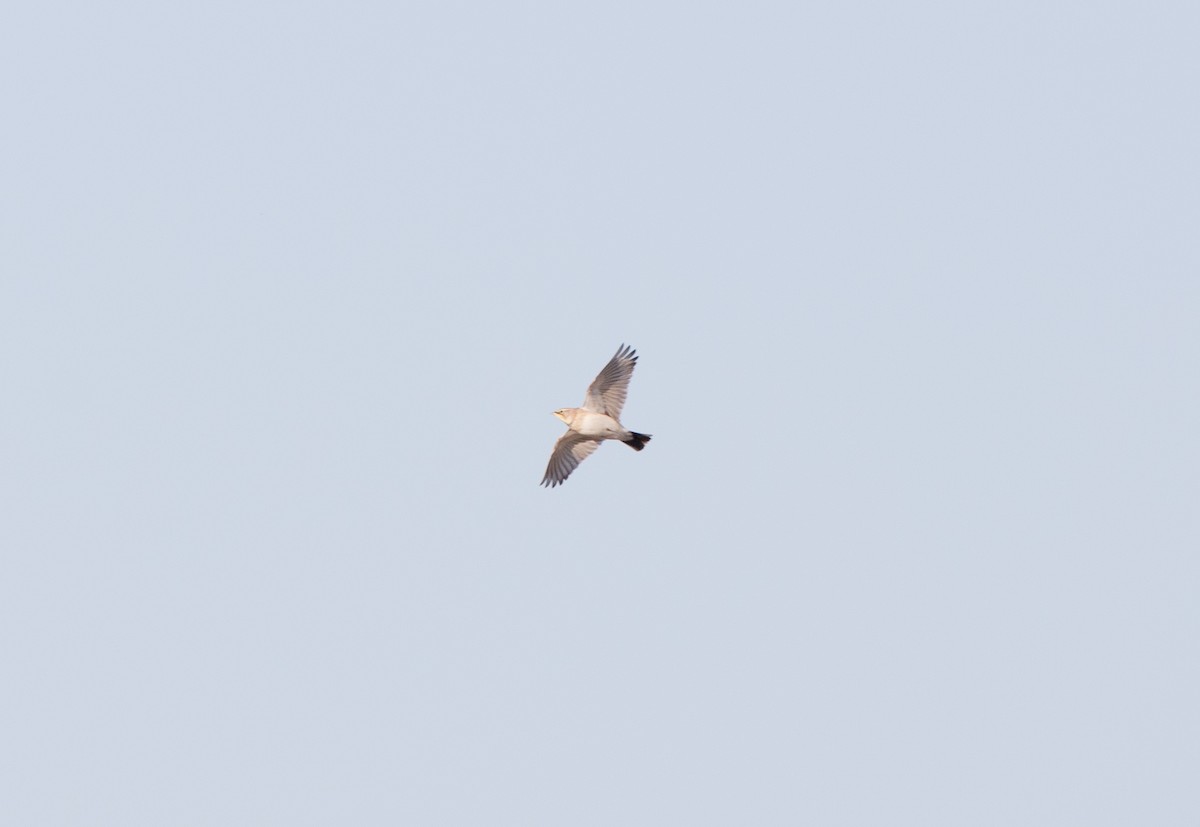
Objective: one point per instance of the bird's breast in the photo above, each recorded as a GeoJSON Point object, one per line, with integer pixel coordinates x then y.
{"type": "Point", "coordinates": [596, 424]}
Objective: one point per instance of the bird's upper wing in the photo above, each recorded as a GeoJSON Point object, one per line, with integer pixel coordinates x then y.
{"type": "Point", "coordinates": [570, 450]}
{"type": "Point", "coordinates": [606, 394]}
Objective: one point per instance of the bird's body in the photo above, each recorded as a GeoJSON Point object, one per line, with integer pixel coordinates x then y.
{"type": "Point", "coordinates": [587, 423]}
{"type": "Point", "coordinates": [596, 420]}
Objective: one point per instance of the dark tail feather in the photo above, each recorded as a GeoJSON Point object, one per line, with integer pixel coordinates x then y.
{"type": "Point", "coordinates": [637, 441]}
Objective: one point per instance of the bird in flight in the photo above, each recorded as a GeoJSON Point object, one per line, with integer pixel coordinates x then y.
{"type": "Point", "coordinates": [596, 420]}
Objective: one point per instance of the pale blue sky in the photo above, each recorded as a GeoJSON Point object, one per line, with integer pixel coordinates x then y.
{"type": "Point", "coordinates": [290, 291]}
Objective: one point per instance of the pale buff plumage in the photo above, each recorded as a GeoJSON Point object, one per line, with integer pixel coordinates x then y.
{"type": "Point", "coordinates": [596, 420]}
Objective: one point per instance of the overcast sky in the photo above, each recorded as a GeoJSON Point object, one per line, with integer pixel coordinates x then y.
{"type": "Point", "coordinates": [289, 292]}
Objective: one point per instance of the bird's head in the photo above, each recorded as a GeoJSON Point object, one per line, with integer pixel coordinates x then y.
{"type": "Point", "coordinates": [565, 414]}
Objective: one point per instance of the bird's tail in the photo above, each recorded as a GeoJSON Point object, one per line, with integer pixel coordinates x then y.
{"type": "Point", "coordinates": [637, 441]}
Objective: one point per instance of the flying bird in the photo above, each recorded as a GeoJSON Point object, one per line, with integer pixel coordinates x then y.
{"type": "Point", "coordinates": [598, 419]}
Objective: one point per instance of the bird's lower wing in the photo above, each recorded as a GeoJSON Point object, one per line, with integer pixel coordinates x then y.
{"type": "Point", "coordinates": [570, 450]}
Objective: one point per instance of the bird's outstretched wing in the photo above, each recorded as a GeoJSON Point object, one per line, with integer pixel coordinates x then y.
{"type": "Point", "coordinates": [606, 394]}
{"type": "Point", "coordinates": [570, 450]}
